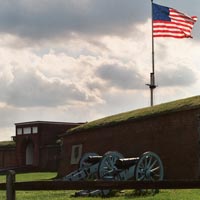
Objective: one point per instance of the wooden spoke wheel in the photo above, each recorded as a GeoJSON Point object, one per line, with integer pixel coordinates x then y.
{"type": "Point", "coordinates": [84, 164]}
{"type": "Point", "coordinates": [149, 168]}
{"type": "Point", "coordinates": [107, 165]}
{"type": "Point", "coordinates": [83, 161]}
{"type": "Point", "coordinates": [107, 168]}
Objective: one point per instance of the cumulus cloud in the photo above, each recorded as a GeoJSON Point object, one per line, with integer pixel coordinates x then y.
{"type": "Point", "coordinates": [181, 76]}
{"type": "Point", "coordinates": [70, 60]}
{"type": "Point", "coordinates": [31, 88]}
{"type": "Point", "coordinates": [44, 19]}
{"type": "Point", "coordinates": [120, 77]}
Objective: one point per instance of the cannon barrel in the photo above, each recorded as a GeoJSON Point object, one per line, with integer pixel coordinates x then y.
{"type": "Point", "coordinates": [125, 163]}
{"type": "Point", "coordinates": [93, 159]}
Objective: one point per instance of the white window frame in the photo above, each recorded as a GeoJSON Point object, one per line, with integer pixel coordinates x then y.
{"type": "Point", "coordinates": [34, 129]}
{"type": "Point", "coordinates": [27, 130]}
{"type": "Point", "coordinates": [19, 131]}
{"type": "Point", "coordinates": [76, 153]}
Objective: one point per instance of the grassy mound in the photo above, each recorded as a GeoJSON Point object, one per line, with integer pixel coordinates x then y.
{"type": "Point", "coordinates": [165, 108]}
{"type": "Point", "coordinates": [7, 144]}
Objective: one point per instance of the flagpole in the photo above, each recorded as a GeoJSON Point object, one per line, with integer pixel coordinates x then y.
{"type": "Point", "coordinates": [152, 85]}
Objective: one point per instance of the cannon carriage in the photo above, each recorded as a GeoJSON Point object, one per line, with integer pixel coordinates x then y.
{"type": "Point", "coordinates": [89, 166]}
{"type": "Point", "coordinates": [112, 166]}
{"type": "Point", "coordinates": [146, 167]}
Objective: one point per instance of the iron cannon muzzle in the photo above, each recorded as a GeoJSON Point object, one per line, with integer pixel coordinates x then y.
{"type": "Point", "coordinates": [93, 159]}
{"type": "Point", "coordinates": [125, 163]}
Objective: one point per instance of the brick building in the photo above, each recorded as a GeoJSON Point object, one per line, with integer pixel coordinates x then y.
{"type": "Point", "coordinates": [7, 154]}
{"type": "Point", "coordinates": [36, 144]}
{"type": "Point", "coordinates": [172, 130]}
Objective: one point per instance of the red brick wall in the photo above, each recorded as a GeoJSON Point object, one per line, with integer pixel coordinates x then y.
{"type": "Point", "coordinates": [49, 133]}
{"type": "Point", "coordinates": [7, 157]}
{"type": "Point", "coordinates": [46, 151]}
{"type": "Point", "coordinates": [174, 137]}
{"type": "Point", "coordinates": [49, 158]}
{"type": "Point", "coordinates": [21, 144]}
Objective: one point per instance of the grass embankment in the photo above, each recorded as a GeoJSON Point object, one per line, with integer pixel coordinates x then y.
{"type": "Point", "coordinates": [7, 144]}
{"type": "Point", "coordinates": [165, 108]}
{"type": "Point", "coordinates": [68, 195]}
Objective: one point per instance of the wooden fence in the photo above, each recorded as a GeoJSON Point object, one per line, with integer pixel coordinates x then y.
{"type": "Point", "coordinates": [11, 186]}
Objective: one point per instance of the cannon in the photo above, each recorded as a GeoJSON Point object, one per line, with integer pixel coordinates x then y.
{"type": "Point", "coordinates": [88, 166]}
{"type": "Point", "coordinates": [147, 167]}
{"type": "Point", "coordinates": [113, 166]}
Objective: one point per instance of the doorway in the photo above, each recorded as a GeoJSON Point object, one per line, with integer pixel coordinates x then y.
{"type": "Point", "coordinates": [29, 154]}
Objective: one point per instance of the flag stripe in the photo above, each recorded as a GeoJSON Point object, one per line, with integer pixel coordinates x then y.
{"type": "Point", "coordinates": [171, 30]}
{"type": "Point", "coordinates": [177, 13]}
{"type": "Point", "coordinates": [171, 34]}
{"type": "Point", "coordinates": [160, 28]}
{"type": "Point", "coordinates": [182, 23]}
{"type": "Point", "coordinates": [168, 22]}
{"type": "Point", "coordinates": [183, 29]}
{"type": "Point", "coordinates": [172, 24]}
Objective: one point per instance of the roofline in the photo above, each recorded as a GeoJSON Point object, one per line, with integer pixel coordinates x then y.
{"type": "Point", "coordinates": [49, 122]}
{"type": "Point", "coordinates": [140, 114]}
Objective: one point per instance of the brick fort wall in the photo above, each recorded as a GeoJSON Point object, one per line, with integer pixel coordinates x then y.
{"type": "Point", "coordinates": [174, 137]}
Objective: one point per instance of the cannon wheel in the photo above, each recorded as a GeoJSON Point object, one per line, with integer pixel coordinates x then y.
{"type": "Point", "coordinates": [83, 161]}
{"type": "Point", "coordinates": [84, 164]}
{"type": "Point", "coordinates": [107, 167]}
{"type": "Point", "coordinates": [107, 163]}
{"type": "Point", "coordinates": [149, 168]}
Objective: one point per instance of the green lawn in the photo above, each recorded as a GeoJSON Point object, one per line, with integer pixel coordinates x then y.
{"type": "Point", "coordinates": [31, 176]}
{"type": "Point", "coordinates": [65, 195]}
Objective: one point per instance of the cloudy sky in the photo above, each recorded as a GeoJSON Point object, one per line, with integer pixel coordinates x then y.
{"type": "Point", "coordinates": [76, 61]}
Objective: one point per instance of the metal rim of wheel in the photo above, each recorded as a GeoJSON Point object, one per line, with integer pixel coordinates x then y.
{"type": "Point", "coordinates": [107, 166]}
{"type": "Point", "coordinates": [83, 161]}
{"type": "Point", "coordinates": [149, 168]}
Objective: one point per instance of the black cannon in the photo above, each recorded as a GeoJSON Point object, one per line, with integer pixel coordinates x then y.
{"type": "Point", "coordinates": [113, 166]}
{"type": "Point", "coordinates": [146, 167]}
{"type": "Point", "coordinates": [89, 166]}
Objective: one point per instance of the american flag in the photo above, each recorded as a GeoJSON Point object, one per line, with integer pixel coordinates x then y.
{"type": "Point", "coordinates": [168, 22]}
